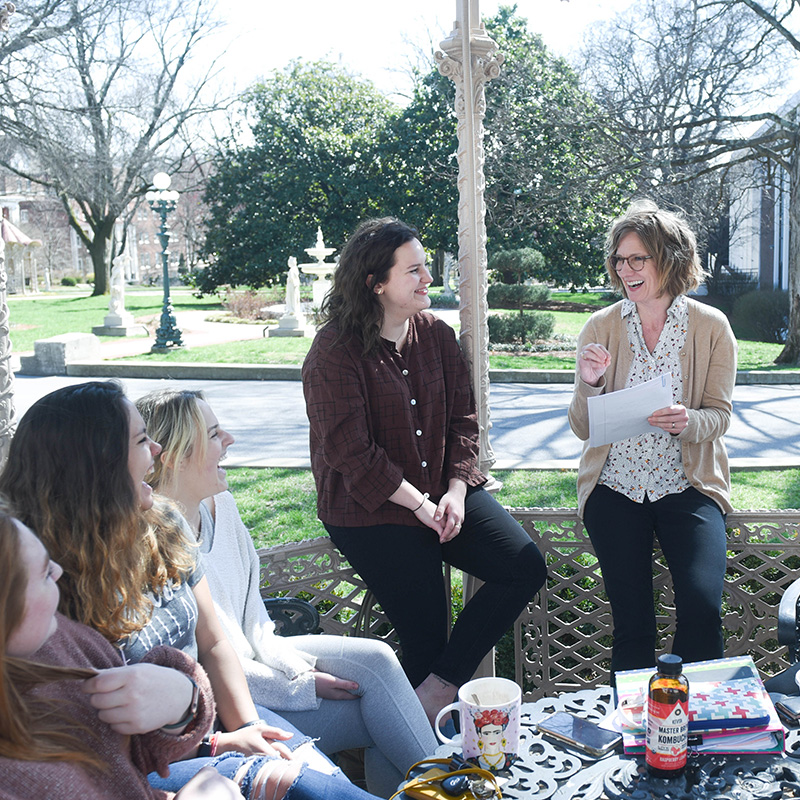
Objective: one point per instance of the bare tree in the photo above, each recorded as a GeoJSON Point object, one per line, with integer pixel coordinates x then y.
{"type": "Point", "coordinates": [36, 22]}
{"type": "Point", "coordinates": [684, 83]}
{"type": "Point", "coordinates": [95, 111]}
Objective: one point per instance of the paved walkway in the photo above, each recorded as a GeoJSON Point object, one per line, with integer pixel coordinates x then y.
{"type": "Point", "coordinates": [529, 424]}
{"type": "Point", "coordinates": [195, 329]}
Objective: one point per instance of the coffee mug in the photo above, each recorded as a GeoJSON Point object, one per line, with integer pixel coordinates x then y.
{"type": "Point", "coordinates": [488, 711]}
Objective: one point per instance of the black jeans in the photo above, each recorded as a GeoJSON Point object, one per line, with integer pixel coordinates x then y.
{"type": "Point", "coordinates": [402, 565]}
{"type": "Point", "coordinates": [690, 528]}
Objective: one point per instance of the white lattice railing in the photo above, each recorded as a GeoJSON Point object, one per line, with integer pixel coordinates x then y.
{"type": "Point", "coordinates": [562, 641]}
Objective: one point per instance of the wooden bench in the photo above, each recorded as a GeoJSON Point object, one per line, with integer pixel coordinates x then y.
{"type": "Point", "coordinates": [562, 641]}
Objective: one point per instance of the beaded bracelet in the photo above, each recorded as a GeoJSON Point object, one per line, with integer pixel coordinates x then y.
{"type": "Point", "coordinates": [421, 503]}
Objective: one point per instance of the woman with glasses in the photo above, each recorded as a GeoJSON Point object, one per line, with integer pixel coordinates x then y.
{"type": "Point", "coordinates": [673, 481]}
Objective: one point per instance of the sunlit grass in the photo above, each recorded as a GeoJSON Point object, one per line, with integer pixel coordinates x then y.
{"type": "Point", "coordinates": [42, 316]}
{"type": "Point", "coordinates": [279, 505]}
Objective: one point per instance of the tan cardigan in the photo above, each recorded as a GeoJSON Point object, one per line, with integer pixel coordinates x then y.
{"type": "Point", "coordinates": [708, 362]}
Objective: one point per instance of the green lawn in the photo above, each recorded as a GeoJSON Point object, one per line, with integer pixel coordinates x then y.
{"type": "Point", "coordinates": [752, 355]}
{"type": "Point", "coordinates": [42, 316]}
{"type": "Point", "coordinates": [267, 350]}
{"type": "Point", "coordinates": [279, 505]}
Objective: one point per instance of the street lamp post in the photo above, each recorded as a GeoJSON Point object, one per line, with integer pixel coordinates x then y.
{"type": "Point", "coordinates": [162, 201]}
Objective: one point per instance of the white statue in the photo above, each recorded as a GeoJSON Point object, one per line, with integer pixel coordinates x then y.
{"type": "Point", "coordinates": [118, 321]}
{"type": "Point", "coordinates": [293, 321]}
{"type": "Point", "coordinates": [116, 305]}
{"type": "Point", "coordinates": [292, 288]}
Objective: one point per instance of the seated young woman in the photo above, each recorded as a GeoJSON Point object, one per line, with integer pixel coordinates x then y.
{"type": "Point", "coordinates": [74, 722]}
{"type": "Point", "coordinates": [75, 473]}
{"type": "Point", "coordinates": [344, 692]}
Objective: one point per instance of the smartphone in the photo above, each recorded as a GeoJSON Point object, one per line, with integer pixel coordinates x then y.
{"type": "Point", "coordinates": [579, 733]}
{"type": "Point", "coordinates": [789, 710]}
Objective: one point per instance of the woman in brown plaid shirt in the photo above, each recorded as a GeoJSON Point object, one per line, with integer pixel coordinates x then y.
{"type": "Point", "coordinates": [394, 451]}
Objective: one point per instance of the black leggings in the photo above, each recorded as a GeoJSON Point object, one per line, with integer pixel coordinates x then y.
{"type": "Point", "coordinates": [402, 565]}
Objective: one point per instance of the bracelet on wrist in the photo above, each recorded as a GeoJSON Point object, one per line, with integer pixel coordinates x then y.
{"type": "Point", "coordinates": [251, 723]}
{"type": "Point", "coordinates": [421, 503]}
{"type": "Point", "coordinates": [191, 711]}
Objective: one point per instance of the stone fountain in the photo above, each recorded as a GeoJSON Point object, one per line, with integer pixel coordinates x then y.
{"type": "Point", "coordinates": [319, 269]}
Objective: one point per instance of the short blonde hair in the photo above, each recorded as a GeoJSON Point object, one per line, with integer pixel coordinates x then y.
{"type": "Point", "coordinates": [668, 238]}
{"type": "Point", "coordinates": [174, 420]}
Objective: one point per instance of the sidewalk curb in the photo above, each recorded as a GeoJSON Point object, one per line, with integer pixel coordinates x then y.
{"type": "Point", "coordinates": [291, 372]}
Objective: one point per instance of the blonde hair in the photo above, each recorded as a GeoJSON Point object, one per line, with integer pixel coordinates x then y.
{"type": "Point", "coordinates": [32, 728]}
{"type": "Point", "coordinates": [174, 420]}
{"type": "Point", "coordinates": [668, 238]}
{"type": "Point", "coordinates": [67, 478]}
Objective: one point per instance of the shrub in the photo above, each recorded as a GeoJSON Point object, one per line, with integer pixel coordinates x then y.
{"type": "Point", "coordinates": [526, 327]}
{"type": "Point", "coordinates": [516, 266]}
{"type": "Point", "coordinates": [516, 295]}
{"type": "Point", "coordinates": [247, 304]}
{"type": "Point", "coordinates": [444, 301]}
{"type": "Point", "coordinates": [68, 280]}
{"type": "Point", "coordinates": [761, 316]}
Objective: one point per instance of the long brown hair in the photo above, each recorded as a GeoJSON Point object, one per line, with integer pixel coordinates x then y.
{"type": "Point", "coordinates": [67, 478]}
{"type": "Point", "coordinates": [32, 728]}
{"type": "Point", "coordinates": [366, 259]}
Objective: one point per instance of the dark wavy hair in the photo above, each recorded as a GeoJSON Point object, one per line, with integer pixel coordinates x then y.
{"type": "Point", "coordinates": [365, 261]}
{"type": "Point", "coordinates": [668, 238]}
{"type": "Point", "coordinates": [67, 479]}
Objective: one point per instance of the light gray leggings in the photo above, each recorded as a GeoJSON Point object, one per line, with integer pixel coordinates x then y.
{"type": "Point", "coordinates": [387, 719]}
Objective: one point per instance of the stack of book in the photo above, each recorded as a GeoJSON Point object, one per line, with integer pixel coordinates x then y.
{"type": "Point", "coordinates": [729, 709]}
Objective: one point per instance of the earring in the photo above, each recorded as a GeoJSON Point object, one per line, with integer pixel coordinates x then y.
{"type": "Point", "coordinates": [503, 743]}
{"type": "Point", "coordinates": [380, 291]}
{"type": "Point", "coordinates": [480, 745]}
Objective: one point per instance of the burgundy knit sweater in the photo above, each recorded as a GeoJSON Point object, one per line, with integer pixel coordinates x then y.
{"type": "Point", "coordinates": [129, 758]}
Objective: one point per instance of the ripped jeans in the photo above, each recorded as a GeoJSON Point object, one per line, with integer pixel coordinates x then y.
{"type": "Point", "coordinates": [309, 785]}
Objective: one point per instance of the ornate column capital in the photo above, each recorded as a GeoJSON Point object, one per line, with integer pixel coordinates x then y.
{"type": "Point", "coordinates": [486, 61]}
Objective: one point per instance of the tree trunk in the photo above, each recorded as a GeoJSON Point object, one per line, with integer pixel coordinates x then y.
{"type": "Point", "coordinates": [100, 252]}
{"type": "Point", "coordinates": [791, 352]}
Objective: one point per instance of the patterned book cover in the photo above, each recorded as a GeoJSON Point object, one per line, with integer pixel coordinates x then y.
{"type": "Point", "coordinates": [738, 703]}
{"type": "Point", "coordinates": [724, 693]}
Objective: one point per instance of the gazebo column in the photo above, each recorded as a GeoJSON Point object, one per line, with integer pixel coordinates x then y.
{"type": "Point", "coordinates": [6, 372]}
{"type": "Point", "coordinates": [470, 60]}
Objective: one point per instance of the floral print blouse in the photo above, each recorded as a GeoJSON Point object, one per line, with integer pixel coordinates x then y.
{"type": "Point", "coordinates": [650, 465]}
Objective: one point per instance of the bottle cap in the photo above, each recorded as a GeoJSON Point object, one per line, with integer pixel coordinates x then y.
{"type": "Point", "coordinates": [670, 664]}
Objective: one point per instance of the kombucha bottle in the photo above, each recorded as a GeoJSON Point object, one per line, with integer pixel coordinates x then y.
{"type": "Point", "coordinates": [667, 719]}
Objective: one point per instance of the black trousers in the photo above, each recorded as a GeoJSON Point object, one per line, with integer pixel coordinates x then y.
{"type": "Point", "coordinates": [402, 565]}
{"type": "Point", "coordinates": [690, 529]}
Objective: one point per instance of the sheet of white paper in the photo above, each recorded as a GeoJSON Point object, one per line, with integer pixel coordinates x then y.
{"type": "Point", "coordinates": [623, 414]}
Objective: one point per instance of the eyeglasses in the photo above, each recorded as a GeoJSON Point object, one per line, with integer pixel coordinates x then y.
{"type": "Point", "coordinates": [636, 263]}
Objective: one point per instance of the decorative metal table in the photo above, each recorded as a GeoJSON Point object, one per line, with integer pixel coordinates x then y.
{"type": "Point", "coordinates": [547, 770]}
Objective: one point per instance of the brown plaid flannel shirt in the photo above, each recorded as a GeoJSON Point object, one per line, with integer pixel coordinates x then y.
{"type": "Point", "coordinates": [379, 419]}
